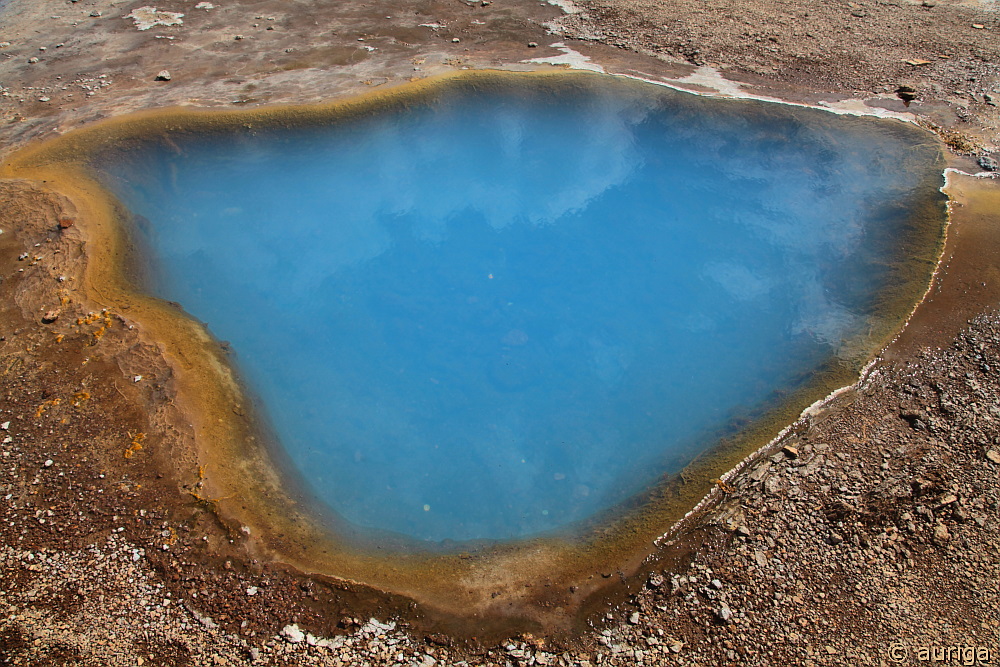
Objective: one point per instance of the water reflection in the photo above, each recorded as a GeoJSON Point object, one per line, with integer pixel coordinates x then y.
{"type": "Point", "coordinates": [496, 314]}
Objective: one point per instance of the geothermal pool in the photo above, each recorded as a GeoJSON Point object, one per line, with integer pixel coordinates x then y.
{"type": "Point", "coordinates": [496, 312]}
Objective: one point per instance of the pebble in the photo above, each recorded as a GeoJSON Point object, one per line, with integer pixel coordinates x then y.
{"type": "Point", "coordinates": [163, 75]}
{"type": "Point", "coordinates": [724, 614]}
{"type": "Point", "coordinates": [947, 499]}
{"type": "Point", "coordinates": [293, 634]}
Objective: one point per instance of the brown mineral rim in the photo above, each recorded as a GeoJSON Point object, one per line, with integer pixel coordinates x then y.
{"type": "Point", "coordinates": [225, 459]}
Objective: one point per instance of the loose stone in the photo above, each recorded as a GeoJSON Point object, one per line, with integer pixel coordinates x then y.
{"type": "Point", "coordinates": [293, 634]}
{"type": "Point", "coordinates": [724, 614]}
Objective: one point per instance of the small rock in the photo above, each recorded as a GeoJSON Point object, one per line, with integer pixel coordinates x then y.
{"type": "Point", "coordinates": [947, 499]}
{"type": "Point", "coordinates": [239, 37]}
{"type": "Point", "coordinates": [978, 26]}
{"type": "Point", "coordinates": [95, 14]}
{"type": "Point", "coordinates": [65, 222]}
{"type": "Point", "coordinates": [790, 452]}
{"type": "Point", "coordinates": [928, 3]}
{"type": "Point", "coordinates": [760, 471]}
{"type": "Point", "coordinates": [163, 75]}
{"type": "Point", "coordinates": [835, 539]}
{"type": "Point", "coordinates": [455, 40]}
{"type": "Point", "coordinates": [147, 17]}
{"type": "Point", "coordinates": [716, 584]}
{"type": "Point", "coordinates": [51, 316]}
{"type": "Point", "coordinates": [33, 60]}
{"type": "Point", "coordinates": [774, 485]}
{"type": "Point", "coordinates": [724, 614]}
{"type": "Point", "coordinates": [941, 533]}
{"type": "Point", "coordinates": [532, 45]}
{"type": "Point", "coordinates": [655, 580]}
{"type": "Point", "coordinates": [48, 463]}
{"type": "Point", "coordinates": [994, 456]}
{"type": "Point", "coordinates": [293, 634]}
{"type": "Point", "coordinates": [252, 590]}
{"type": "Point", "coordinates": [634, 618]}
{"type": "Point", "coordinates": [988, 163]}
{"type": "Point", "coordinates": [906, 93]}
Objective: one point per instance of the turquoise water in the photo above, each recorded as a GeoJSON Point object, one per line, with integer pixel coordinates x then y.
{"type": "Point", "coordinates": [496, 312]}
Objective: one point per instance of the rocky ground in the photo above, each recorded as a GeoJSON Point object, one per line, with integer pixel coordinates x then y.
{"type": "Point", "coordinates": [867, 536]}
{"type": "Point", "coordinates": [943, 56]}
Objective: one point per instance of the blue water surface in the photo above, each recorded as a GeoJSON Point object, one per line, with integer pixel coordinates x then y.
{"type": "Point", "coordinates": [498, 312]}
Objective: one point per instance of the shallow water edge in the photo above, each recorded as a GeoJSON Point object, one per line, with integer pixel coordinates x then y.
{"type": "Point", "coordinates": [529, 579]}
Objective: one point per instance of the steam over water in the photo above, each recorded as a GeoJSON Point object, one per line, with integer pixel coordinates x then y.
{"type": "Point", "coordinates": [495, 312]}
